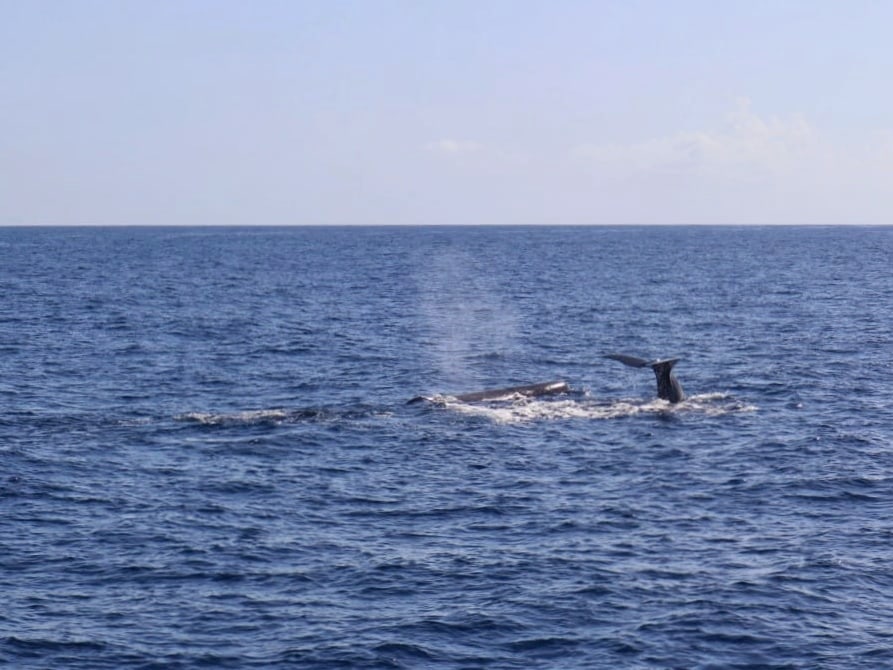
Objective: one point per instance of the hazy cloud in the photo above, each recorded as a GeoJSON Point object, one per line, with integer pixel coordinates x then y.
{"type": "Point", "coordinates": [750, 168]}
{"type": "Point", "coordinates": [450, 147]}
{"type": "Point", "coordinates": [746, 142]}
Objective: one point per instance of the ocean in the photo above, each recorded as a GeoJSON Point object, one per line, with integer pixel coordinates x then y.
{"type": "Point", "coordinates": [208, 459]}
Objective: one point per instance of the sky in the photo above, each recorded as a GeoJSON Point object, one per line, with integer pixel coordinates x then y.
{"type": "Point", "coordinates": [515, 112]}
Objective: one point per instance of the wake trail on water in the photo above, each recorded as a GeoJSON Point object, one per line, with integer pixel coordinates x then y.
{"type": "Point", "coordinates": [281, 416]}
{"type": "Point", "coordinates": [510, 410]}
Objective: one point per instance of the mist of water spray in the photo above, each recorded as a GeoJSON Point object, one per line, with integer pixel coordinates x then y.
{"type": "Point", "coordinates": [470, 324]}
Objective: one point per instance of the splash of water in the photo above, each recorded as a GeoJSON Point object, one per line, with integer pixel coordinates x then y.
{"type": "Point", "coordinates": [525, 410]}
{"type": "Point", "coordinates": [247, 417]}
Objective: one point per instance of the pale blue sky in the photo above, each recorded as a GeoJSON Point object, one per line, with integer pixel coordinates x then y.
{"type": "Point", "coordinates": [451, 112]}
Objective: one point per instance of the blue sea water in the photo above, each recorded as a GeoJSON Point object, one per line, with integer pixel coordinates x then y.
{"type": "Point", "coordinates": [207, 459]}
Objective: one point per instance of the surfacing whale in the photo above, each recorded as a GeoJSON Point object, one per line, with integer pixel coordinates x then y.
{"type": "Point", "coordinates": [668, 387]}
{"type": "Point", "coordinates": [528, 391]}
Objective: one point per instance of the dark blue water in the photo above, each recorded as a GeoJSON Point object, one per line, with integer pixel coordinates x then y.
{"type": "Point", "coordinates": [207, 460]}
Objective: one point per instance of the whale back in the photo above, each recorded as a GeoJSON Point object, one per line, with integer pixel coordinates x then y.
{"type": "Point", "coordinates": [528, 391]}
{"type": "Point", "coordinates": [557, 387]}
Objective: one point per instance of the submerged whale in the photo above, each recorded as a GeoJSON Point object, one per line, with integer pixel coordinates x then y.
{"type": "Point", "coordinates": [668, 387]}
{"type": "Point", "coordinates": [528, 391]}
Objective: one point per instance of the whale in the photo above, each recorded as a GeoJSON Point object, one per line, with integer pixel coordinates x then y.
{"type": "Point", "coordinates": [668, 387]}
{"type": "Point", "coordinates": [528, 391]}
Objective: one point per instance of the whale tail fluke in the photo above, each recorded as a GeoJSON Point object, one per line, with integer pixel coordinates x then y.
{"type": "Point", "coordinates": [668, 387]}
{"type": "Point", "coordinates": [631, 361]}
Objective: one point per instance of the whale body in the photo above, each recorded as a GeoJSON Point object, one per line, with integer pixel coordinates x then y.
{"type": "Point", "coordinates": [668, 387]}
{"type": "Point", "coordinates": [527, 391]}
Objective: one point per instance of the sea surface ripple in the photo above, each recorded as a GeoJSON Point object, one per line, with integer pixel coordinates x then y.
{"type": "Point", "coordinates": [208, 459]}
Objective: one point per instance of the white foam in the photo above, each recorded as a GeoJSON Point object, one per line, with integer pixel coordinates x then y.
{"type": "Point", "coordinates": [523, 410]}
{"type": "Point", "coordinates": [251, 416]}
